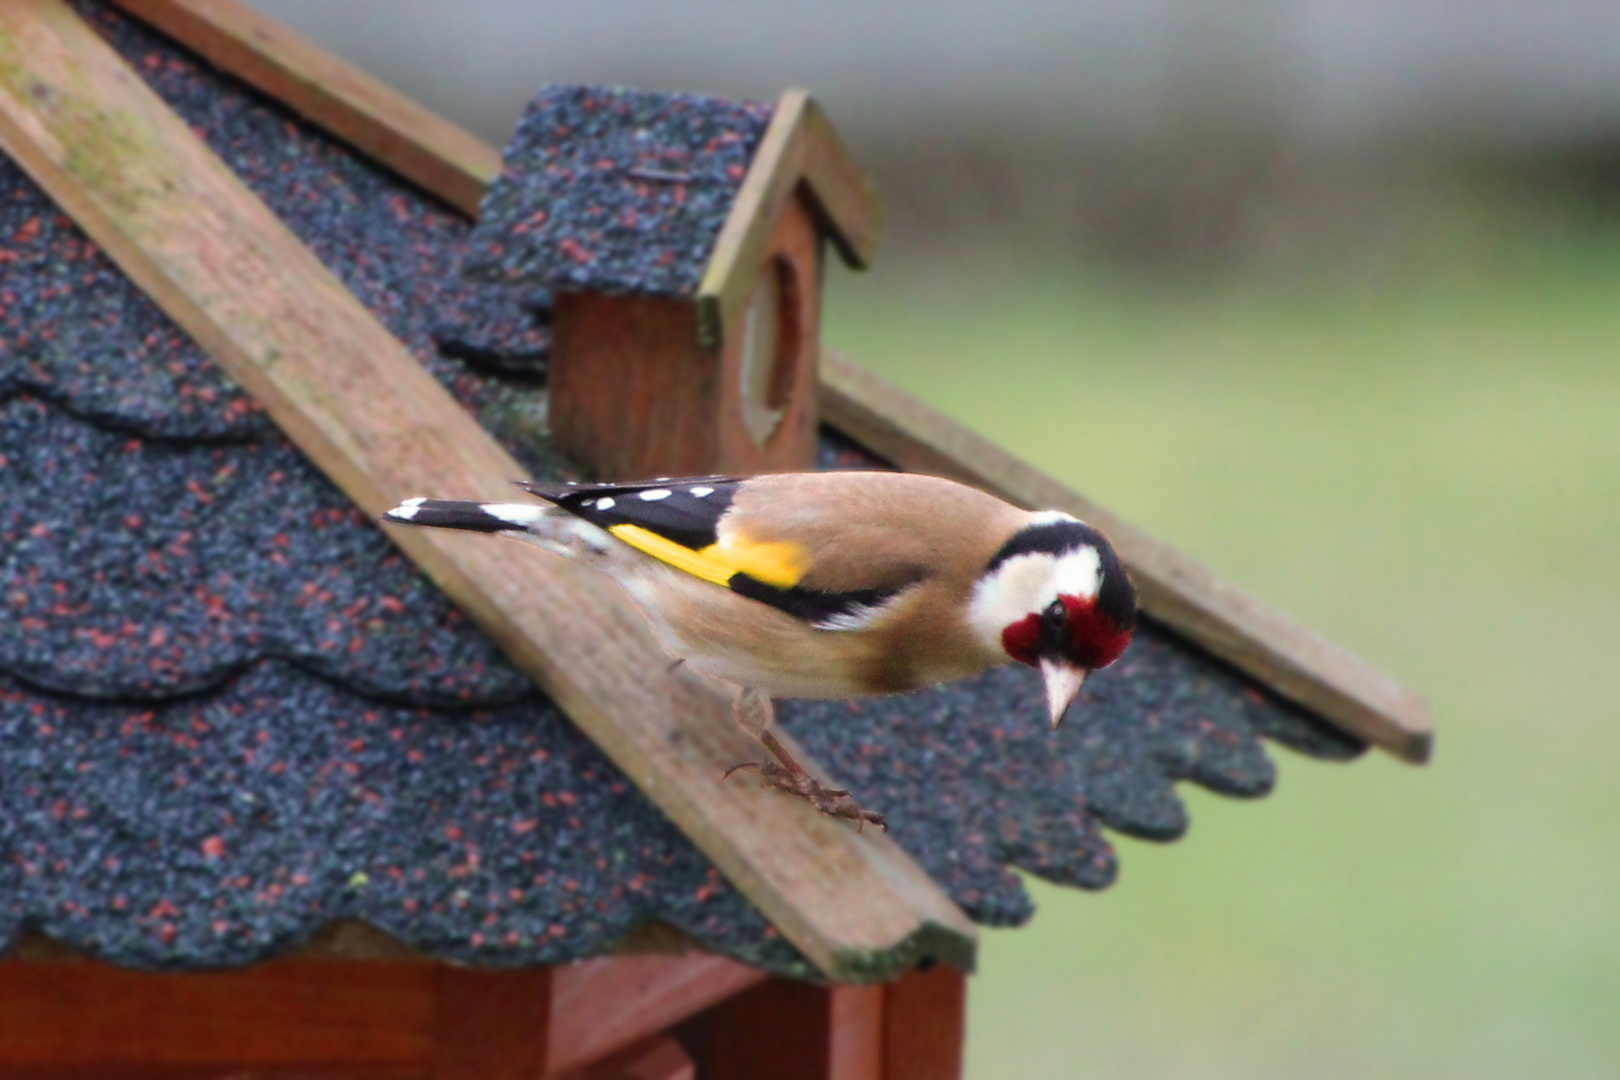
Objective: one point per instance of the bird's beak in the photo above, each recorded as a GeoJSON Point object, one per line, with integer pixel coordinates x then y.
{"type": "Point", "coordinates": [1062, 684]}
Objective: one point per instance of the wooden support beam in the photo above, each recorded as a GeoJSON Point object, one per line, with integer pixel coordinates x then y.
{"type": "Point", "coordinates": [195, 240]}
{"type": "Point", "coordinates": [377, 120]}
{"type": "Point", "coordinates": [1175, 590]}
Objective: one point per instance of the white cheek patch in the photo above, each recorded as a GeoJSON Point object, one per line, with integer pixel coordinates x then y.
{"type": "Point", "coordinates": [1027, 584]}
{"type": "Point", "coordinates": [1009, 594]}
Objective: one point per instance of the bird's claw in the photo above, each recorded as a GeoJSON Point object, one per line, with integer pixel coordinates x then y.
{"type": "Point", "coordinates": [739, 767]}
{"type": "Point", "coordinates": [834, 802]}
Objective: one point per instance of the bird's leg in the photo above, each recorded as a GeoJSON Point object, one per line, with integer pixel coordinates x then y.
{"type": "Point", "coordinates": [754, 713]}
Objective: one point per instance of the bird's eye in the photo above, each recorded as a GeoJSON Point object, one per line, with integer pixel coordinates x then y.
{"type": "Point", "coordinates": [1055, 615]}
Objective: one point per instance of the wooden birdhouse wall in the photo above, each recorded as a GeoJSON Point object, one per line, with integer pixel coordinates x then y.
{"type": "Point", "coordinates": [634, 394]}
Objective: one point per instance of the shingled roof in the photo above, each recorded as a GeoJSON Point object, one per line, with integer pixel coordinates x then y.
{"type": "Point", "coordinates": [614, 190]}
{"type": "Point", "coordinates": [231, 712]}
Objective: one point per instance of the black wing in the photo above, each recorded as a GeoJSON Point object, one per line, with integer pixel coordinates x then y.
{"type": "Point", "coordinates": [686, 511]}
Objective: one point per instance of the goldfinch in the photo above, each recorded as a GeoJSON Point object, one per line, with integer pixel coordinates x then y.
{"type": "Point", "coordinates": [832, 585]}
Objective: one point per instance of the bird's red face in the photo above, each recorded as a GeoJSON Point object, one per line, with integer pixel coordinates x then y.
{"type": "Point", "coordinates": [1063, 603]}
{"type": "Point", "coordinates": [1071, 628]}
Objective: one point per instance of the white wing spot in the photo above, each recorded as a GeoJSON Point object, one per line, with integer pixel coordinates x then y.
{"type": "Point", "coordinates": [514, 513]}
{"type": "Point", "coordinates": [604, 504]}
{"type": "Point", "coordinates": [407, 509]}
{"type": "Point", "coordinates": [654, 494]}
{"type": "Point", "coordinates": [701, 491]}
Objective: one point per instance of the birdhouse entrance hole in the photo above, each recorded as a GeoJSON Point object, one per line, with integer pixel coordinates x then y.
{"type": "Point", "coordinates": [770, 349]}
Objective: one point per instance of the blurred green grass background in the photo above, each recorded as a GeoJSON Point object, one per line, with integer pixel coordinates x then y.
{"type": "Point", "coordinates": [1423, 463]}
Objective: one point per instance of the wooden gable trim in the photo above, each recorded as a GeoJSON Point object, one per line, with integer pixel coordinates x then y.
{"type": "Point", "coordinates": [360, 406]}
{"type": "Point", "coordinates": [1251, 636]}
{"type": "Point", "coordinates": [331, 93]}
{"type": "Point", "coordinates": [1177, 591]}
{"type": "Point", "coordinates": [800, 148]}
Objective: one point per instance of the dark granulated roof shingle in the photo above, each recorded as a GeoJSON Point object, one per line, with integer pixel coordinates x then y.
{"type": "Point", "coordinates": [613, 190]}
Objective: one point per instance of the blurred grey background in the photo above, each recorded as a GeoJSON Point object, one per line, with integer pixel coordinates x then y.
{"type": "Point", "coordinates": [1191, 135]}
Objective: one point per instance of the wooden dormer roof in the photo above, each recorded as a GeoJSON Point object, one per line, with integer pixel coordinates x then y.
{"type": "Point", "coordinates": [323, 346]}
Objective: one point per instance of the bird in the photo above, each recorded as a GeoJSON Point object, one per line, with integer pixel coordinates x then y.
{"type": "Point", "coordinates": [831, 585]}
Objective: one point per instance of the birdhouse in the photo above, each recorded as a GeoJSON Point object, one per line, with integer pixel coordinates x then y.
{"type": "Point", "coordinates": [286, 794]}
{"type": "Point", "coordinates": [683, 237]}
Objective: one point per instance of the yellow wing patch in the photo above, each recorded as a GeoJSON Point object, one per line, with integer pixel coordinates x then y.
{"type": "Point", "coordinates": [774, 562]}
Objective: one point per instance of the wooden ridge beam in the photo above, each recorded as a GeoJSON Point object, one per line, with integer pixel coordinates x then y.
{"type": "Point", "coordinates": [1175, 590]}
{"type": "Point", "coordinates": [359, 406]}
{"type": "Point", "coordinates": [332, 94]}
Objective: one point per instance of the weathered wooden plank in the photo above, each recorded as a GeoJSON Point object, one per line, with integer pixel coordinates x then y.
{"type": "Point", "coordinates": [1294, 660]}
{"type": "Point", "coordinates": [370, 115]}
{"type": "Point", "coordinates": [196, 240]}
{"type": "Point", "coordinates": [601, 1006]}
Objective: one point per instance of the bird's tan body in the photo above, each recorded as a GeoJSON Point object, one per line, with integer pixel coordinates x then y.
{"type": "Point", "coordinates": [860, 531]}
{"type": "Point", "coordinates": [832, 585]}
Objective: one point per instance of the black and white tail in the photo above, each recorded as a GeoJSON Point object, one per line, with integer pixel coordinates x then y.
{"type": "Point", "coordinates": [550, 527]}
{"type": "Point", "coordinates": [472, 516]}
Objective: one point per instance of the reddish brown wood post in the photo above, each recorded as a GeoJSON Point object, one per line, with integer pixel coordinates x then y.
{"type": "Point", "coordinates": [795, 1031]}
{"type": "Point", "coordinates": [925, 1025]}
{"type": "Point", "coordinates": [490, 1025]}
